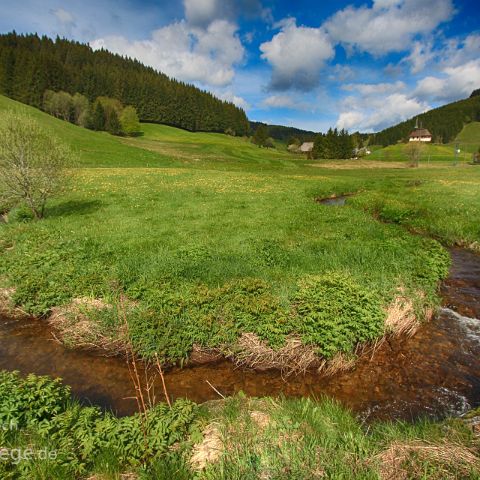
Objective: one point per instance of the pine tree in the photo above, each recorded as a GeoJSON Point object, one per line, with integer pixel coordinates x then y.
{"type": "Point", "coordinates": [112, 123]}
{"type": "Point", "coordinates": [97, 121]}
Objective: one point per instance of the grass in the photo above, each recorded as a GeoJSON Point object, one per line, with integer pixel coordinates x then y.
{"type": "Point", "coordinates": [216, 238]}
{"type": "Point", "coordinates": [211, 237]}
{"type": "Point", "coordinates": [237, 438]}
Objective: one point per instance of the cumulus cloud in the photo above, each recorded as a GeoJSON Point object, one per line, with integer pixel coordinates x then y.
{"type": "Point", "coordinates": [297, 55]}
{"type": "Point", "coordinates": [453, 84]}
{"type": "Point", "coordinates": [185, 52]}
{"type": "Point", "coordinates": [229, 96]}
{"type": "Point", "coordinates": [280, 101]}
{"type": "Point", "coordinates": [388, 25]}
{"type": "Point", "coordinates": [378, 106]}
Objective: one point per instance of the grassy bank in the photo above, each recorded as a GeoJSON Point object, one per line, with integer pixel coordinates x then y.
{"type": "Point", "coordinates": [210, 238]}
{"type": "Point", "coordinates": [49, 436]}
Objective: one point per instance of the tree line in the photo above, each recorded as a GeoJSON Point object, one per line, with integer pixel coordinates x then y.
{"type": "Point", "coordinates": [105, 113]}
{"type": "Point", "coordinates": [30, 65]}
{"type": "Point", "coordinates": [333, 144]}
{"type": "Point", "coordinates": [444, 123]}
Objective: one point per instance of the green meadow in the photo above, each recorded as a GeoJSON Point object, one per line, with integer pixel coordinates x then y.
{"type": "Point", "coordinates": [212, 237]}
{"type": "Point", "coordinates": [209, 237]}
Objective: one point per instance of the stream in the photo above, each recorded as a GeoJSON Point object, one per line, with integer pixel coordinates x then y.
{"type": "Point", "coordinates": [435, 373]}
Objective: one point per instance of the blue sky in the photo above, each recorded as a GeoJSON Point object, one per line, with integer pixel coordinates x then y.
{"type": "Point", "coordinates": [360, 65]}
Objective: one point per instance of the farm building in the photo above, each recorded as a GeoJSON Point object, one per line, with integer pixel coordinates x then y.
{"type": "Point", "coordinates": [306, 147]}
{"type": "Point", "coordinates": [420, 134]}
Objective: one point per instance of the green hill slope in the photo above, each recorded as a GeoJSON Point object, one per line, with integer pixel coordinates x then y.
{"type": "Point", "coordinates": [160, 145]}
{"type": "Point", "coordinates": [470, 135]}
{"type": "Point", "coordinates": [96, 149]}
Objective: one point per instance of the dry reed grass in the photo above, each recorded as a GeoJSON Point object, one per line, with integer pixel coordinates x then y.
{"type": "Point", "coordinates": [404, 460]}
{"type": "Point", "coordinates": [401, 319]}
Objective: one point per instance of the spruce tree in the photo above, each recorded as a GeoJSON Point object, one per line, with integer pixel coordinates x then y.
{"type": "Point", "coordinates": [112, 123]}
{"type": "Point", "coordinates": [97, 121]}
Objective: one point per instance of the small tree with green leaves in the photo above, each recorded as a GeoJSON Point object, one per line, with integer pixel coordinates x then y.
{"type": "Point", "coordinates": [130, 122]}
{"type": "Point", "coordinates": [33, 163]}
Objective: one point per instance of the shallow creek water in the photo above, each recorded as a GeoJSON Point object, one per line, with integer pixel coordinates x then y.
{"type": "Point", "coordinates": [435, 373]}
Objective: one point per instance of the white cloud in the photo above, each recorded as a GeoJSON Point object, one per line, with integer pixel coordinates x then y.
{"type": "Point", "coordinates": [458, 52]}
{"type": "Point", "coordinates": [341, 73]}
{"type": "Point", "coordinates": [65, 20]}
{"type": "Point", "coordinates": [63, 16]}
{"type": "Point", "coordinates": [280, 101]}
{"type": "Point", "coordinates": [387, 26]}
{"type": "Point", "coordinates": [454, 83]}
{"type": "Point", "coordinates": [229, 96]}
{"type": "Point", "coordinates": [377, 106]}
{"type": "Point", "coordinates": [372, 89]}
{"type": "Point", "coordinates": [297, 54]}
{"type": "Point", "coordinates": [420, 56]}
{"type": "Point", "coordinates": [184, 52]}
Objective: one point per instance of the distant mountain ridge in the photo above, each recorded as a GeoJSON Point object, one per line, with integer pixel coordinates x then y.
{"type": "Point", "coordinates": [29, 65]}
{"type": "Point", "coordinates": [444, 122]}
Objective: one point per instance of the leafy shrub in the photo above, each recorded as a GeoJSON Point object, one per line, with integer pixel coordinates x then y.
{"type": "Point", "coordinates": [432, 262]}
{"type": "Point", "coordinates": [335, 313]}
{"type": "Point", "coordinates": [82, 436]}
{"type": "Point", "coordinates": [30, 401]}
{"type": "Point", "coordinates": [20, 214]}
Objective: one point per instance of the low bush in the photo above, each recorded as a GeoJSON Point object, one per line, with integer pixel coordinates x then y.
{"type": "Point", "coordinates": [40, 413]}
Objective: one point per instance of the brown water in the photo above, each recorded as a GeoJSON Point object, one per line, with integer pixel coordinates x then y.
{"type": "Point", "coordinates": [435, 373]}
{"type": "Point", "coordinates": [341, 200]}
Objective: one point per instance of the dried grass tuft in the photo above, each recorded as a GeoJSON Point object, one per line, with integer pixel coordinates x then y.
{"type": "Point", "coordinates": [6, 302]}
{"type": "Point", "coordinates": [261, 419]}
{"type": "Point", "coordinates": [339, 363]}
{"type": "Point", "coordinates": [122, 476]}
{"type": "Point", "coordinates": [74, 326]}
{"type": "Point", "coordinates": [401, 461]}
{"type": "Point", "coordinates": [7, 305]}
{"type": "Point", "coordinates": [209, 450]}
{"type": "Point", "coordinates": [293, 358]}
{"type": "Point", "coordinates": [401, 318]}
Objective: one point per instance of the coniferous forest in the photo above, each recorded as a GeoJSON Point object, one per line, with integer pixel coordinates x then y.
{"type": "Point", "coordinates": [30, 65]}
{"type": "Point", "coordinates": [333, 144]}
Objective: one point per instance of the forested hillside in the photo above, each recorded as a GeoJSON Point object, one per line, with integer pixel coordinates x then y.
{"type": "Point", "coordinates": [445, 123]}
{"type": "Point", "coordinates": [282, 133]}
{"type": "Point", "coordinates": [30, 65]}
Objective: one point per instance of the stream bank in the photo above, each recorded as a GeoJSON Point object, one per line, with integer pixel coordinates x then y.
{"type": "Point", "coordinates": [435, 373]}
